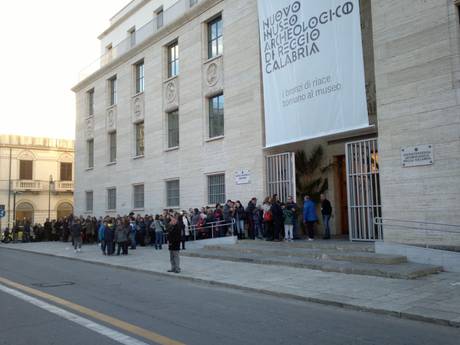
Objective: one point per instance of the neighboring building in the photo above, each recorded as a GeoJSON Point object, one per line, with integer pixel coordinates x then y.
{"type": "Point", "coordinates": [173, 116]}
{"type": "Point", "coordinates": [36, 178]}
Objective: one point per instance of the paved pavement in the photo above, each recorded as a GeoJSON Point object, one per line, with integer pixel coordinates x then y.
{"type": "Point", "coordinates": [184, 311]}
{"type": "Point", "coordinates": [434, 299]}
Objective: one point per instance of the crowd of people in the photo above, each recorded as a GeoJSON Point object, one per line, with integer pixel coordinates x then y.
{"type": "Point", "coordinates": [271, 221]}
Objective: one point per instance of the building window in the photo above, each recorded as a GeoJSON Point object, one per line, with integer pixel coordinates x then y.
{"type": "Point", "coordinates": [89, 201]}
{"type": "Point", "coordinates": [172, 193]}
{"type": "Point", "coordinates": [139, 136]}
{"type": "Point", "coordinates": [173, 129]}
{"type": "Point", "coordinates": [66, 171]}
{"type": "Point", "coordinates": [173, 60]}
{"type": "Point", "coordinates": [159, 16]}
{"type": "Point", "coordinates": [90, 97]}
{"type": "Point", "coordinates": [112, 147]}
{"type": "Point", "coordinates": [111, 199]}
{"type": "Point", "coordinates": [139, 70]}
{"type": "Point", "coordinates": [216, 189]}
{"type": "Point", "coordinates": [215, 39]}
{"type": "Point", "coordinates": [132, 36]}
{"type": "Point", "coordinates": [25, 170]}
{"type": "Point", "coordinates": [138, 192]}
{"type": "Point", "coordinates": [216, 116]}
{"type": "Point", "coordinates": [113, 90]}
{"type": "Point", "coordinates": [90, 152]}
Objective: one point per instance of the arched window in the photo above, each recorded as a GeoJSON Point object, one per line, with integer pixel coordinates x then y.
{"type": "Point", "coordinates": [64, 209]}
{"type": "Point", "coordinates": [24, 212]}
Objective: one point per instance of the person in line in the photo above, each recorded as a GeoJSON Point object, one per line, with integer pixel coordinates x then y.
{"type": "Point", "coordinates": [121, 237]}
{"type": "Point", "coordinates": [100, 237]}
{"type": "Point", "coordinates": [250, 219]}
{"type": "Point", "coordinates": [267, 218]}
{"type": "Point", "coordinates": [309, 216]}
{"type": "Point", "coordinates": [132, 234]}
{"type": "Point", "coordinates": [292, 205]}
{"type": "Point", "coordinates": [76, 236]}
{"type": "Point", "coordinates": [109, 237]}
{"type": "Point", "coordinates": [159, 229]}
{"type": "Point", "coordinates": [277, 214]}
{"type": "Point", "coordinates": [174, 238]}
{"type": "Point", "coordinates": [239, 215]}
{"type": "Point", "coordinates": [288, 217]}
{"type": "Point", "coordinates": [326, 212]}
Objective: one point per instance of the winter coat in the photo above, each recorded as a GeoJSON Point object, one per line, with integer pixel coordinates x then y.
{"type": "Point", "coordinates": [288, 216]}
{"type": "Point", "coordinates": [277, 213]}
{"type": "Point", "coordinates": [158, 224]}
{"type": "Point", "coordinates": [174, 237]}
{"type": "Point", "coordinates": [100, 232]}
{"type": "Point", "coordinates": [326, 208]}
{"type": "Point", "coordinates": [309, 211]}
{"type": "Point", "coordinates": [76, 230]}
{"type": "Point", "coordinates": [121, 234]}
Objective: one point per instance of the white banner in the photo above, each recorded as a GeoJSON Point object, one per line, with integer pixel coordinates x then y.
{"type": "Point", "coordinates": [313, 70]}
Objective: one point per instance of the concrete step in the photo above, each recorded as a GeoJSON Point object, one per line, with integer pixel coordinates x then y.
{"type": "Point", "coordinates": [401, 271]}
{"type": "Point", "coordinates": [318, 254]}
{"type": "Point", "coordinates": [338, 245]}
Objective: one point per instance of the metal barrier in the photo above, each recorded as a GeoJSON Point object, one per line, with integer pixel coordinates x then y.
{"type": "Point", "coordinates": [427, 227]}
{"type": "Point", "coordinates": [212, 229]}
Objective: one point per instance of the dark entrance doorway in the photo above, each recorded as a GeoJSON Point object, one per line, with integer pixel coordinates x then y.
{"type": "Point", "coordinates": [341, 195]}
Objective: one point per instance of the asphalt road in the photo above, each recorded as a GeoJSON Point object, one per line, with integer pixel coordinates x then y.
{"type": "Point", "coordinates": [184, 311]}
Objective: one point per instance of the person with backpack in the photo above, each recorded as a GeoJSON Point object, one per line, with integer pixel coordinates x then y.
{"type": "Point", "coordinates": [159, 229]}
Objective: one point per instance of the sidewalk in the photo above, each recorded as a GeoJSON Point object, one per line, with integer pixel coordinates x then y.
{"type": "Point", "coordinates": [434, 299]}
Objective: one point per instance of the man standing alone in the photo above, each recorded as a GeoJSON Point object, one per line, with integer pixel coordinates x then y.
{"type": "Point", "coordinates": [174, 237]}
{"type": "Point", "coordinates": [326, 211]}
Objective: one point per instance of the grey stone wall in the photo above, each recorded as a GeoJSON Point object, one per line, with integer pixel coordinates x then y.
{"type": "Point", "coordinates": [417, 79]}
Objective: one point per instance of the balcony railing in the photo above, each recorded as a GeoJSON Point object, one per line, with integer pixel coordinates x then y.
{"type": "Point", "coordinates": [63, 186]}
{"type": "Point", "coordinates": [169, 15]}
{"type": "Point", "coordinates": [28, 185]}
{"type": "Point", "coordinates": [42, 186]}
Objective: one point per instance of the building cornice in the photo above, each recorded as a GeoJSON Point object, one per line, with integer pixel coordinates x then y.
{"type": "Point", "coordinates": [123, 17]}
{"type": "Point", "coordinates": [193, 13]}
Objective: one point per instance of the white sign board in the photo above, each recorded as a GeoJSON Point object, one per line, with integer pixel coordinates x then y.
{"type": "Point", "coordinates": [414, 156]}
{"type": "Point", "coordinates": [313, 70]}
{"type": "Point", "coordinates": [242, 177]}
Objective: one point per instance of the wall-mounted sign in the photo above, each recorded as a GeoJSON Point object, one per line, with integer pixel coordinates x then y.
{"type": "Point", "coordinates": [242, 177]}
{"type": "Point", "coordinates": [414, 156]}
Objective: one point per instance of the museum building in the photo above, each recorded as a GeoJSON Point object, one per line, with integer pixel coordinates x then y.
{"type": "Point", "coordinates": [175, 113]}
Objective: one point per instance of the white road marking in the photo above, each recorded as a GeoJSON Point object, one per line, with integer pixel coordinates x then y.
{"type": "Point", "coordinates": [98, 328]}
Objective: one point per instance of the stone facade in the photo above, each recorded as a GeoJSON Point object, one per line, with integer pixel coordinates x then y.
{"type": "Point", "coordinates": [32, 193]}
{"type": "Point", "coordinates": [411, 57]}
{"type": "Point", "coordinates": [417, 78]}
{"type": "Point", "coordinates": [235, 73]}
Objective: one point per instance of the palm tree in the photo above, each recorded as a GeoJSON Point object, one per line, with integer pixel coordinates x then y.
{"type": "Point", "coordinates": [310, 175]}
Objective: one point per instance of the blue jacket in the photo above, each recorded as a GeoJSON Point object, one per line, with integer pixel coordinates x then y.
{"type": "Point", "coordinates": [309, 211]}
{"type": "Point", "coordinates": [100, 232]}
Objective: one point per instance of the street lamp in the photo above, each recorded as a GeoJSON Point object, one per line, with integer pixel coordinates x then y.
{"type": "Point", "coordinates": [50, 185]}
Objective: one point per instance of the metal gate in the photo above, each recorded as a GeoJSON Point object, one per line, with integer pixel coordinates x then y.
{"type": "Point", "coordinates": [280, 173]}
{"type": "Point", "coordinates": [363, 187]}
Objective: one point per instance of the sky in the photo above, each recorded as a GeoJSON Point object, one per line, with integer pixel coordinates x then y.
{"type": "Point", "coordinates": [44, 46]}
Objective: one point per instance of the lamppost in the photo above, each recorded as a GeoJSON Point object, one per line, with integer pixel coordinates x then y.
{"type": "Point", "coordinates": [50, 185]}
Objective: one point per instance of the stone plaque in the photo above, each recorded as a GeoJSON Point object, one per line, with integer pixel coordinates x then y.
{"type": "Point", "coordinates": [414, 156]}
{"type": "Point", "coordinates": [242, 177]}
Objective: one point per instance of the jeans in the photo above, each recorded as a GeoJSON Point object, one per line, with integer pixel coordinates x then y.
{"type": "Point", "coordinates": [258, 230]}
{"type": "Point", "coordinates": [77, 242]}
{"type": "Point", "coordinates": [288, 232]}
{"type": "Point", "coordinates": [327, 230]}
{"type": "Point", "coordinates": [103, 246]}
{"type": "Point", "coordinates": [175, 261]}
{"type": "Point", "coordinates": [239, 225]}
{"type": "Point", "coordinates": [132, 238]}
{"type": "Point", "coordinates": [158, 239]}
{"type": "Point", "coordinates": [122, 246]}
{"type": "Point", "coordinates": [310, 229]}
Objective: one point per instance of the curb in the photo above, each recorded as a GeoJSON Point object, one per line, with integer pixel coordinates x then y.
{"type": "Point", "coordinates": [348, 306]}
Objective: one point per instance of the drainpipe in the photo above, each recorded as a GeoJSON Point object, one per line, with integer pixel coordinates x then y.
{"type": "Point", "coordinates": [9, 190]}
